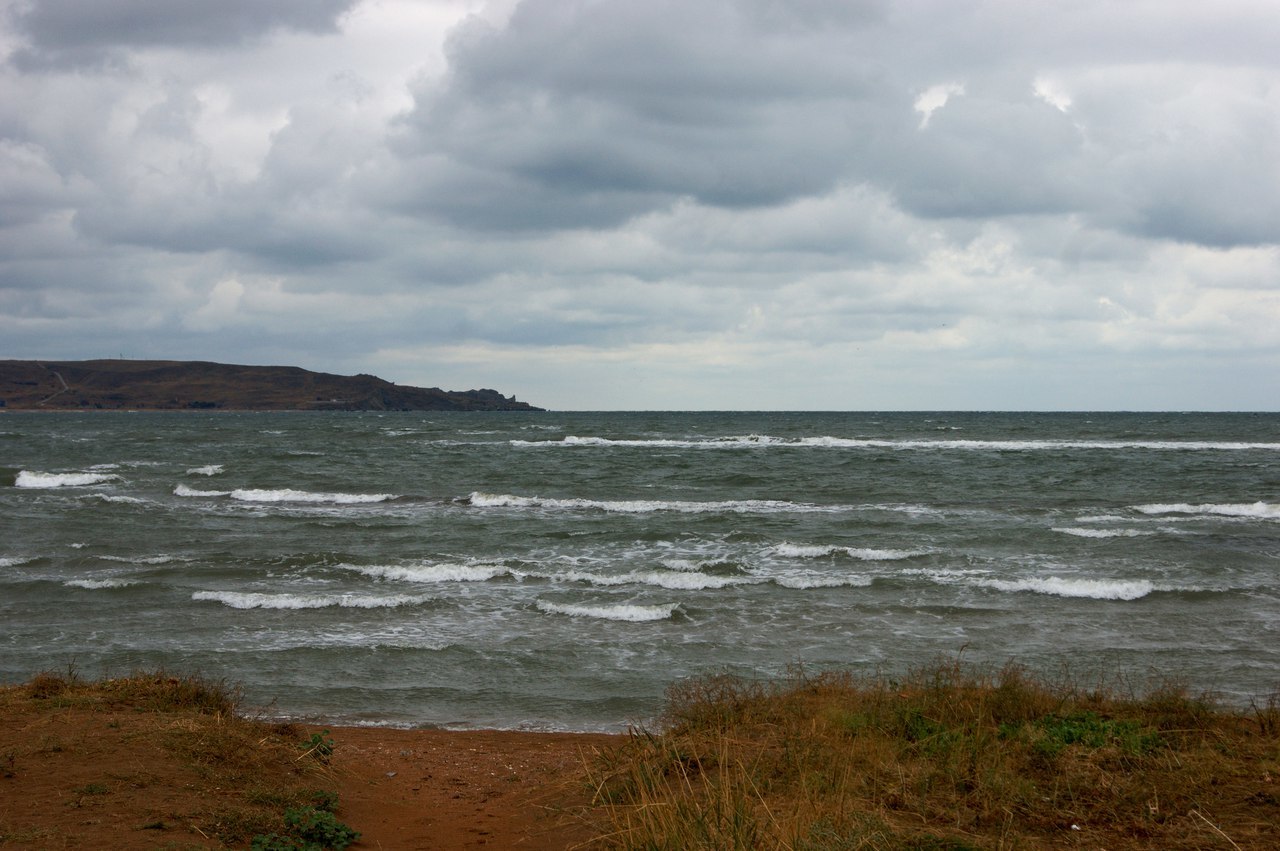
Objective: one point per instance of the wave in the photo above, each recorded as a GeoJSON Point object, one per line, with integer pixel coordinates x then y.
{"type": "Point", "coordinates": [751, 441]}
{"type": "Point", "coordinates": [36, 479]}
{"type": "Point", "coordinates": [1096, 589]}
{"type": "Point", "coordinates": [805, 580]}
{"type": "Point", "coordinates": [1102, 533]}
{"type": "Point", "coordinates": [117, 498]}
{"type": "Point", "coordinates": [787, 550]}
{"type": "Point", "coordinates": [616, 612]}
{"type": "Point", "coordinates": [286, 495]}
{"type": "Point", "coordinates": [99, 584]}
{"type": "Point", "coordinates": [248, 600]}
{"type": "Point", "coordinates": [1259, 510]}
{"type": "Point", "coordinates": [207, 470]}
{"type": "Point", "coordinates": [15, 561]}
{"type": "Point", "coordinates": [144, 559]}
{"type": "Point", "coordinates": [432, 572]}
{"type": "Point", "coordinates": [649, 506]}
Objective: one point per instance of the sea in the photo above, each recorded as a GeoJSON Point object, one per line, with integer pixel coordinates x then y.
{"type": "Point", "coordinates": [559, 570]}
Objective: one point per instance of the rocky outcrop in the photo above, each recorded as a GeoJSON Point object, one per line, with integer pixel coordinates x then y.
{"type": "Point", "coordinates": [202, 385]}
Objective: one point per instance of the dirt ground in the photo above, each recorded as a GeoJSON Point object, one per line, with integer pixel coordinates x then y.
{"type": "Point", "coordinates": [117, 777]}
{"type": "Point", "coordinates": [472, 789]}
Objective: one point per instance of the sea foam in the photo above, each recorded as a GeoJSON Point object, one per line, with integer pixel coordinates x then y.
{"type": "Point", "coordinates": [1102, 533]}
{"type": "Point", "coordinates": [1097, 589]}
{"type": "Point", "coordinates": [616, 612]}
{"type": "Point", "coordinates": [286, 495]}
{"type": "Point", "coordinates": [250, 600]}
{"type": "Point", "coordinates": [752, 441]}
{"type": "Point", "coordinates": [99, 584]}
{"type": "Point", "coordinates": [788, 550]}
{"type": "Point", "coordinates": [1258, 510]}
{"type": "Point", "coordinates": [432, 572]}
{"type": "Point", "coordinates": [36, 479]}
{"type": "Point", "coordinates": [646, 506]}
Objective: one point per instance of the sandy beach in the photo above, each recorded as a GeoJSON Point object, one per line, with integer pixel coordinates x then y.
{"type": "Point", "coordinates": [92, 772]}
{"type": "Point", "coordinates": [464, 789]}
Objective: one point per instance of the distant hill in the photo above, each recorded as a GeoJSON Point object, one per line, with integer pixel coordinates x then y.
{"type": "Point", "coordinates": [200, 385]}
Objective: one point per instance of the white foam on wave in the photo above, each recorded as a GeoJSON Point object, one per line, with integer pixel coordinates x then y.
{"type": "Point", "coordinates": [251, 600]}
{"type": "Point", "coordinates": [161, 559]}
{"type": "Point", "coordinates": [1102, 533]}
{"type": "Point", "coordinates": [1100, 518]}
{"type": "Point", "coordinates": [184, 490]}
{"type": "Point", "coordinates": [99, 584]}
{"type": "Point", "coordinates": [286, 495]}
{"type": "Point", "coordinates": [615, 612]}
{"type": "Point", "coordinates": [670, 580]}
{"type": "Point", "coordinates": [1096, 589]}
{"type": "Point", "coordinates": [687, 580]}
{"type": "Point", "coordinates": [37, 479]}
{"type": "Point", "coordinates": [291, 495]}
{"type": "Point", "coordinates": [830, 442]}
{"type": "Point", "coordinates": [14, 561]}
{"type": "Point", "coordinates": [207, 470]}
{"type": "Point", "coordinates": [648, 506]}
{"type": "Point", "coordinates": [1257, 510]}
{"type": "Point", "coordinates": [805, 580]}
{"type": "Point", "coordinates": [432, 572]}
{"type": "Point", "coordinates": [116, 498]}
{"type": "Point", "coordinates": [788, 550]}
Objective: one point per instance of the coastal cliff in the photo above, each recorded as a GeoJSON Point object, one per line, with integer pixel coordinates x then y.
{"type": "Point", "coordinates": [202, 385]}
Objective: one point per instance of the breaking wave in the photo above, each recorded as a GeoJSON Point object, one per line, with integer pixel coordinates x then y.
{"type": "Point", "coordinates": [1096, 589]}
{"type": "Point", "coordinates": [616, 612]}
{"type": "Point", "coordinates": [788, 550]}
{"type": "Point", "coordinates": [432, 572]}
{"type": "Point", "coordinates": [99, 584]}
{"type": "Point", "coordinates": [751, 441]}
{"type": "Point", "coordinates": [36, 479]}
{"type": "Point", "coordinates": [1102, 533]}
{"type": "Point", "coordinates": [250, 600]}
{"type": "Point", "coordinates": [648, 506]}
{"type": "Point", "coordinates": [1258, 510]}
{"type": "Point", "coordinates": [286, 495]}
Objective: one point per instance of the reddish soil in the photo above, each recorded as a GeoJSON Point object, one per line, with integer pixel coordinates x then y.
{"type": "Point", "coordinates": [472, 789]}
{"type": "Point", "coordinates": [115, 776]}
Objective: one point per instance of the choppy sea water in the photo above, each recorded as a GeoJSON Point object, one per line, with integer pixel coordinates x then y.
{"type": "Point", "coordinates": [558, 570]}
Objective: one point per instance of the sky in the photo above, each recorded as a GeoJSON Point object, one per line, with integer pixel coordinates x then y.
{"type": "Point", "coordinates": [657, 204]}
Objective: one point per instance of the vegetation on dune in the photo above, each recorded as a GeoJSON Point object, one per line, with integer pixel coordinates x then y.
{"type": "Point", "coordinates": [950, 757]}
{"type": "Point", "coordinates": [207, 771]}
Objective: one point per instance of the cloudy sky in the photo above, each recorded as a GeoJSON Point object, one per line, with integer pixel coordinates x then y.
{"type": "Point", "coordinates": [657, 204]}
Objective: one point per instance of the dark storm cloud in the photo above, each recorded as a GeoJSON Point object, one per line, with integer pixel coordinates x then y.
{"type": "Point", "coordinates": [75, 32]}
{"type": "Point", "coordinates": [581, 114]}
{"type": "Point", "coordinates": [608, 110]}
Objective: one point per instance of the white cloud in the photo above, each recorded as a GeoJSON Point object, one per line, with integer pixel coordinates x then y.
{"type": "Point", "coordinates": [735, 203]}
{"type": "Point", "coordinates": [934, 98]}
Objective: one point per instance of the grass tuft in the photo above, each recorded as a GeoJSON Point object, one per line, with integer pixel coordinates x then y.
{"type": "Point", "coordinates": [949, 757]}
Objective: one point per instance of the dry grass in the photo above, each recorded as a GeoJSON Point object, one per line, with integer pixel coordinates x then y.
{"type": "Point", "coordinates": [949, 758]}
{"type": "Point", "coordinates": [144, 758]}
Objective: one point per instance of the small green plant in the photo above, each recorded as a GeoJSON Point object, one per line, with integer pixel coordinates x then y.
{"type": "Point", "coordinates": [319, 746]}
{"type": "Point", "coordinates": [1051, 735]}
{"type": "Point", "coordinates": [308, 829]}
